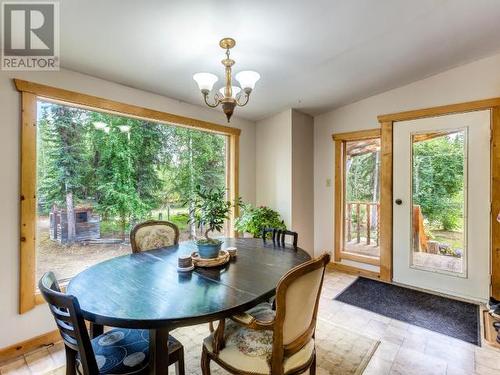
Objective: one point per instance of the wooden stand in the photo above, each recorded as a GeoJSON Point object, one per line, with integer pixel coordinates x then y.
{"type": "Point", "coordinates": [490, 335]}
{"type": "Point", "coordinates": [223, 258]}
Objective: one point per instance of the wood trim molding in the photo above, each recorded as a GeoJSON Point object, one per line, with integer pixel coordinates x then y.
{"type": "Point", "coordinates": [495, 202]}
{"type": "Point", "coordinates": [94, 102]}
{"type": "Point", "coordinates": [374, 261]}
{"type": "Point", "coordinates": [28, 203]}
{"type": "Point", "coordinates": [234, 177]}
{"type": "Point", "coordinates": [26, 346]}
{"type": "Point", "coordinates": [477, 105]}
{"type": "Point", "coordinates": [28, 298]}
{"type": "Point", "coordinates": [357, 135]}
{"type": "Point", "coordinates": [353, 270]}
{"type": "Point", "coordinates": [386, 202]}
{"type": "Point", "coordinates": [338, 208]}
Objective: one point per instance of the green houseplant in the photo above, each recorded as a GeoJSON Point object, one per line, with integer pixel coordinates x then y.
{"type": "Point", "coordinates": [254, 219]}
{"type": "Point", "coordinates": [211, 209]}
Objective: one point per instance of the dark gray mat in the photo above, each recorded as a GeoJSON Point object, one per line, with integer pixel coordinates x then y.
{"type": "Point", "coordinates": [447, 316]}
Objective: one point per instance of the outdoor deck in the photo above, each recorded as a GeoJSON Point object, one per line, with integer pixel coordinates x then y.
{"type": "Point", "coordinates": [362, 248]}
{"type": "Point", "coordinates": [437, 261]}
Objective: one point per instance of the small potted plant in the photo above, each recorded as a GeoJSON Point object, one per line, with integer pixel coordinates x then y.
{"type": "Point", "coordinates": [211, 209]}
{"type": "Point", "coordinates": [254, 219]}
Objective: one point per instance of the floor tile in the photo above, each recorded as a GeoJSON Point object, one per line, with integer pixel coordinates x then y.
{"type": "Point", "coordinates": [40, 362]}
{"type": "Point", "coordinates": [378, 366]}
{"type": "Point", "coordinates": [488, 358]}
{"type": "Point", "coordinates": [58, 354]}
{"type": "Point", "coordinates": [15, 367]}
{"type": "Point", "coordinates": [411, 362]}
{"type": "Point", "coordinates": [387, 351]}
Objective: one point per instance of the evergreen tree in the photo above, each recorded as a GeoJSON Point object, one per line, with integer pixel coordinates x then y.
{"type": "Point", "coordinates": [64, 162]}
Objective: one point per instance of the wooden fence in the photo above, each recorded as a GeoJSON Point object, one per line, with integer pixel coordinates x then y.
{"type": "Point", "coordinates": [359, 220]}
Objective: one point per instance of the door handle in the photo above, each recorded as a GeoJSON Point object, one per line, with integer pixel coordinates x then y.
{"type": "Point", "coordinates": [398, 202]}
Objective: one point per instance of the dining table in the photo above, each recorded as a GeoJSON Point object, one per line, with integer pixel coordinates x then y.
{"type": "Point", "coordinates": [145, 290]}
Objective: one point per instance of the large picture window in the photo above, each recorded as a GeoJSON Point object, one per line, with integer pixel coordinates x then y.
{"type": "Point", "coordinates": [94, 174]}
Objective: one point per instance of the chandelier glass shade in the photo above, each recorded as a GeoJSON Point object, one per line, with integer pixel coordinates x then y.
{"type": "Point", "coordinates": [228, 96]}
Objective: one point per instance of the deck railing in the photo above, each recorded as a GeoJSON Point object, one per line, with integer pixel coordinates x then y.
{"type": "Point", "coordinates": [362, 218]}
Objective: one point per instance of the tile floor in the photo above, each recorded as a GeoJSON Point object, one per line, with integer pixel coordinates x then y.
{"type": "Point", "coordinates": [404, 350]}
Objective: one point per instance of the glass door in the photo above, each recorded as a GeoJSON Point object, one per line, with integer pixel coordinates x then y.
{"type": "Point", "coordinates": [441, 204]}
{"type": "Point", "coordinates": [361, 203]}
{"type": "Point", "coordinates": [357, 197]}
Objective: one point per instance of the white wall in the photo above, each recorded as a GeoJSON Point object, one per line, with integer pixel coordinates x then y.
{"type": "Point", "coordinates": [474, 81]}
{"type": "Point", "coordinates": [274, 164]}
{"type": "Point", "coordinates": [285, 174]}
{"type": "Point", "coordinates": [14, 327]}
{"type": "Point", "coordinates": [303, 179]}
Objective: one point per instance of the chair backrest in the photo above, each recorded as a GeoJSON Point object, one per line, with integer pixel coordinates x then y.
{"type": "Point", "coordinates": [69, 321]}
{"type": "Point", "coordinates": [153, 234]}
{"type": "Point", "coordinates": [278, 236]}
{"type": "Point", "coordinates": [297, 299]}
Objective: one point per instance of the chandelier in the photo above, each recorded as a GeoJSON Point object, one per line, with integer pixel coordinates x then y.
{"type": "Point", "coordinates": [228, 96]}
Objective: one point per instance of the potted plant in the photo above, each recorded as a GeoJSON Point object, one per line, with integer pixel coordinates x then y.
{"type": "Point", "coordinates": [254, 219]}
{"type": "Point", "coordinates": [211, 209]}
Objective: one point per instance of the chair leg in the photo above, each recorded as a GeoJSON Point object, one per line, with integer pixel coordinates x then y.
{"type": "Point", "coordinates": [205, 362]}
{"type": "Point", "coordinates": [312, 369]}
{"type": "Point", "coordinates": [70, 361]}
{"type": "Point", "coordinates": [179, 365]}
{"type": "Point", "coordinates": [211, 327]}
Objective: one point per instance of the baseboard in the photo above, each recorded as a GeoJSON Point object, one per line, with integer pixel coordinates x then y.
{"type": "Point", "coordinates": [353, 270]}
{"type": "Point", "coordinates": [23, 347]}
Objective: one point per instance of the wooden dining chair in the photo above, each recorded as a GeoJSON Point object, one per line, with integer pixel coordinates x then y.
{"type": "Point", "coordinates": [278, 236]}
{"type": "Point", "coordinates": [153, 234]}
{"type": "Point", "coordinates": [263, 341]}
{"type": "Point", "coordinates": [118, 351]}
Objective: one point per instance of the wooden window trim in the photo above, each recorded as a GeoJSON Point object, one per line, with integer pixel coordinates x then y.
{"type": "Point", "coordinates": [340, 154]}
{"type": "Point", "coordinates": [387, 122]}
{"type": "Point", "coordinates": [30, 93]}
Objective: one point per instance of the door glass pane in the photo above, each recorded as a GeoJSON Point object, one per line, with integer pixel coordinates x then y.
{"type": "Point", "coordinates": [362, 192]}
{"type": "Point", "coordinates": [438, 201]}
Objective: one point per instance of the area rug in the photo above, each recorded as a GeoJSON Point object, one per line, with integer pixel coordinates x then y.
{"type": "Point", "coordinates": [440, 314]}
{"type": "Point", "coordinates": [339, 351]}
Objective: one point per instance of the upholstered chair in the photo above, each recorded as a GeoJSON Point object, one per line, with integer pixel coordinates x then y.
{"type": "Point", "coordinates": [119, 351]}
{"type": "Point", "coordinates": [266, 341]}
{"type": "Point", "coordinates": [153, 234]}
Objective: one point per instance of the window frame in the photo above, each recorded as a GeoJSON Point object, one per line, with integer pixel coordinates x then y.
{"type": "Point", "coordinates": [32, 92]}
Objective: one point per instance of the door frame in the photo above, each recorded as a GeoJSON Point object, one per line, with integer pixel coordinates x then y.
{"type": "Point", "coordinates": [386, 194]}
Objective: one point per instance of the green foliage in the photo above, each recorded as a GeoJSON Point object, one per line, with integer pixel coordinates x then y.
{"type": "Point", "coordinates": [125, 175]}
{"type": "Point", "coordinates": [438, 176]}
{"type": "Point", "coordinates": [62, 166]}
{"type": "Point", "coordinates": [180, 220]}
{"type": "Point", "coordinates": [360, 177]}
{"type": "Point", "coordinates": [254, 220]}
{"type": "Point", "coordinates": [211, 209]}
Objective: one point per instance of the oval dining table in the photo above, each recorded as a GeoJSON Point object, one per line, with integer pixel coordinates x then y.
{"type": "Point", "coordinates": [145, 290]}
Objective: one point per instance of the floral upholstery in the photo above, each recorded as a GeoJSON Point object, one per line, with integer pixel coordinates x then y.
{"type": "Point", "coordinates": [154, 236]}
{"type": "Point", "coordinates": [250, 350]}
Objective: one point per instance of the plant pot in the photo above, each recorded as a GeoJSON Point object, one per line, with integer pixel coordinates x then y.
{"type": "Point", "coordinates": [209, 250]}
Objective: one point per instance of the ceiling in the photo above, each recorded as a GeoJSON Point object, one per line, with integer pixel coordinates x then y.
{"type": "Point", "coordinates": [312, 55]}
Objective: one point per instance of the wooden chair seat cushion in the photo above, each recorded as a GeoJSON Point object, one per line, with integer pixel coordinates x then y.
{"type": "Point", "coordinates": [124, 351]}
{"type": "Point", "coordinates": [249, 350]}
{"type": "Point", "coordinates": [154, 236]}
